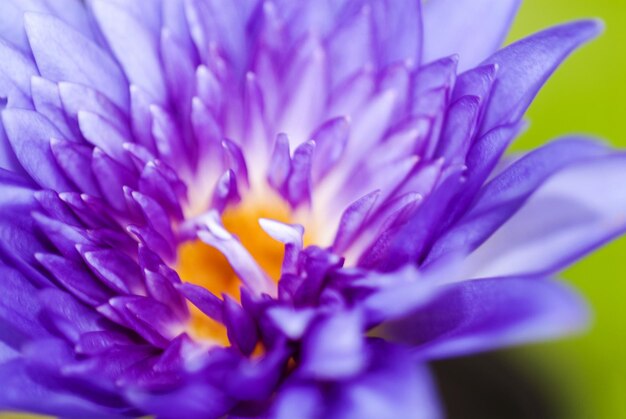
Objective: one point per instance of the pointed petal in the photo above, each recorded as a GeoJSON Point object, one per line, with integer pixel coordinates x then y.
{"type": "Point", "coordinates": [577, 210]}
{"type": "Point", "coordinates": [63, 54]}
{"type": "Point", "coordinates": [447, 24]}
{"type": "Point", "coordinates": [486, 314]}
{"type": "Point", "coordinates": [30, 134]}
{"type": "Point", "coordinates": [506, 193]}
{"type": "Point", "coordinates": [524, 67]}
{"type": "Point", "coordinates": [135, 47]}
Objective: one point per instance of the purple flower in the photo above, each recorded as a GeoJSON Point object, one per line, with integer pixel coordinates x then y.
{"type": "Point", "coordinates": [281, 208]}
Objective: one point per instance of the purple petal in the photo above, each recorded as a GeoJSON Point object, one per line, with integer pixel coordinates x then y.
{"type": "Point", "coordinates": [163, 290]}
{"type": "Point", "coordinates": [398, 293]}
{"type": "Point", "coordinates": [18, 310]}
{"type": "Point", "coordinates": [63, 54]}
{"type": "Point", "coordinates": [94, 343]}
{"type": "Point", "coordinates": [308, 81]}
{"type": "Point", "coordinates": [202, 298]}
{"type": "Point", "coordinates": [154, 214]}
{"type": "Point", "coordinates": [235, 160]}
{"type": "Point", "coordinates": [155, 183]}
{"type": "Point", "coordinates": [487, 314]}
{"type": "Point", "coordinates": [447, 24]}
{"type": "Point", "coordinates": [387, 389]}
{"type": "Point", "coordinates": [330, 142]}
{"type": "Point", "coordinates": [63, 236]}
{"type": "Point", "coordinates": [55, 207]}
{"type": "Point", "coordinates": [351, 47]}
{"type": "Point", "coordinates": [167, 138]}
{"type": "Point", "coordinates": [280, 163]}
{"type": "Point", "coordinates": [524, 66]}
{"type": "Point", "coordinates": [297, 399]}
{"type": "Point", "coordinates": [16, 69]}
{"type": "Point", "coordinates": [298, 186]}
{"type": "Point", "coordinates": [289, 234]}
{"type": "Point", "coordinates": [101, 133]}
{"type": "Point", "coordinates": [399, 31]}
{"type": "Point", "coordinates": [179, 70]}
{"type": "Point", "coordinates": [152, 320]}
{"type": "Point", "coordinates": [577, 210]}
{"type": "Point", "coordinates": [30, 134]}
{"type": "Point", "coordinates": [47, 100]}
{"type": "Point", "coordinates": [25, 392]}
{"type": "Point", "coordinates": [390, 388]}
{"type": "Point", "coordinates": [76, 98]}
{"type": "Point", "coordinates": [141, 117]}
{"type": "Point", "coordinates": [240, 326]}
{"type": "Point", "coordinates": [506, 193]}
{"type": "Point", "coordinates": [75, 278]}
{"type": "Point", "coordinates": [458, 130]}
{"type": "Point", "coordinates": [293, 323]}
{"type": "Point", "coordinates": [67, 316]}
{"type": "Point", "coordinates": [193, 400]}
{"type": "Point", "coordinates": [256, 379]}
{"type": "Point", "coordinates": [352, 220]}
{"type": "Point", "coordinates": [226, 191]}
{"type": "Point", "coordinates": [115, 269]}
{"type": "Point", "coordinates": [475, 82]}
{"type": "Point", "coordinates": [333, 349]}
{"type": "Point", "coordinates": [133, 45]}
{"type": "Point", "coordinates": [111, 178]}
{"type": "Point", "coordinates": [75, 160]}
{"type": "Point", "coordinates": [209, 89]}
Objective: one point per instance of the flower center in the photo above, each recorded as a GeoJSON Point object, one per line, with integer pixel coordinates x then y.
{"type": "Point", "coordinates": [202, 264]}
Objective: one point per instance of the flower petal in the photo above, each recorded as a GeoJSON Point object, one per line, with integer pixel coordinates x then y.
{"type": "Point", "coordinates": [447, 24]}
{"type": "Point", "coordinates": [63, 54]}
{"type": "Point", "coordinates": [506, 193]}
{"type": "Point", "coordinates": [486, 314]}
{"type": "Point", "coordinates": [574, 212]}
{"type": "Point", "coordinates": [133, 45]}
{"type": "Point", "coordinates": [393, 386]}
{"type": "Point", "coordinates": [30, 134]}
{"type": "Point", "coordinates": [18, 310]}
{"type": "Point", "coordinates": [524, 67]}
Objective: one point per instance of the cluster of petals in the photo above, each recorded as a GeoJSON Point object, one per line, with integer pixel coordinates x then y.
{"type": "Point", "coordinates": [131, 129]}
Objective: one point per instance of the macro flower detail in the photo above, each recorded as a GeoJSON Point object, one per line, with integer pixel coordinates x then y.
{"type": "Point", "coordinates": [279, 208]}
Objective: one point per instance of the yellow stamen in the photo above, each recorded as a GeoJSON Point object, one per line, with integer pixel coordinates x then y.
{"type": "Point", "coordinates": [201, 264]}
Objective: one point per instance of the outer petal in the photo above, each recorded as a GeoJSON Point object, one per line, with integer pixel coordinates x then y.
{"type": "Point", "coordinates": [393, 387]}
{"type": "Point", "coordinates": [193, 400]}
{"type": "Point", "coordinates": [25, 392]}
{"type": "Point", "coordinates": [29, 134]}
{"type": "Point", "coordinates": [63, 54]}
{"type": "Point", "coordinates": [400, 34]}
{"type": "Point", "coordinates": [18, 309]}
{"type": "Point", "coordinates": [507, 193]}
{"type": "Point", "coordinates": [134, 46]}
{"type": "Point", "coordinates": [524, 67]}
{"type": "Point", "coordinates": [486, 314]}
{"type": "Point", "coordinates": [577, 210]}
{"type": "Point", "coordinates": [334, 347]}
{"type": "Point", "coordinates": [71, 12]}
{"type": "Point", "coordinates": [448, 23]}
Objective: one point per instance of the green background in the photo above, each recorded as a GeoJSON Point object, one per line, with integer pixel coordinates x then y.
{"type": "Point", "coordinates": [586, 95]}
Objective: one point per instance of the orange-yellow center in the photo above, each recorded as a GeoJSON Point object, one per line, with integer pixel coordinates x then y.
{"type": "Point", "coordinates": [201, 264]}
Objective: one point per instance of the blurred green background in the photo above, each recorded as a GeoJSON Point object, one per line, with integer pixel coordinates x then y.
{"type": "Point", "coordinates": [586, 95]}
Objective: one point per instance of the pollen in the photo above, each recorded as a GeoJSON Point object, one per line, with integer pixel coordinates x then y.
{"type": "Point", "coordinates": [201, 264]}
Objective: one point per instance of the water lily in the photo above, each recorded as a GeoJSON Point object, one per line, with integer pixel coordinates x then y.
{"type": "Point", "coordinates": [279, 208]}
